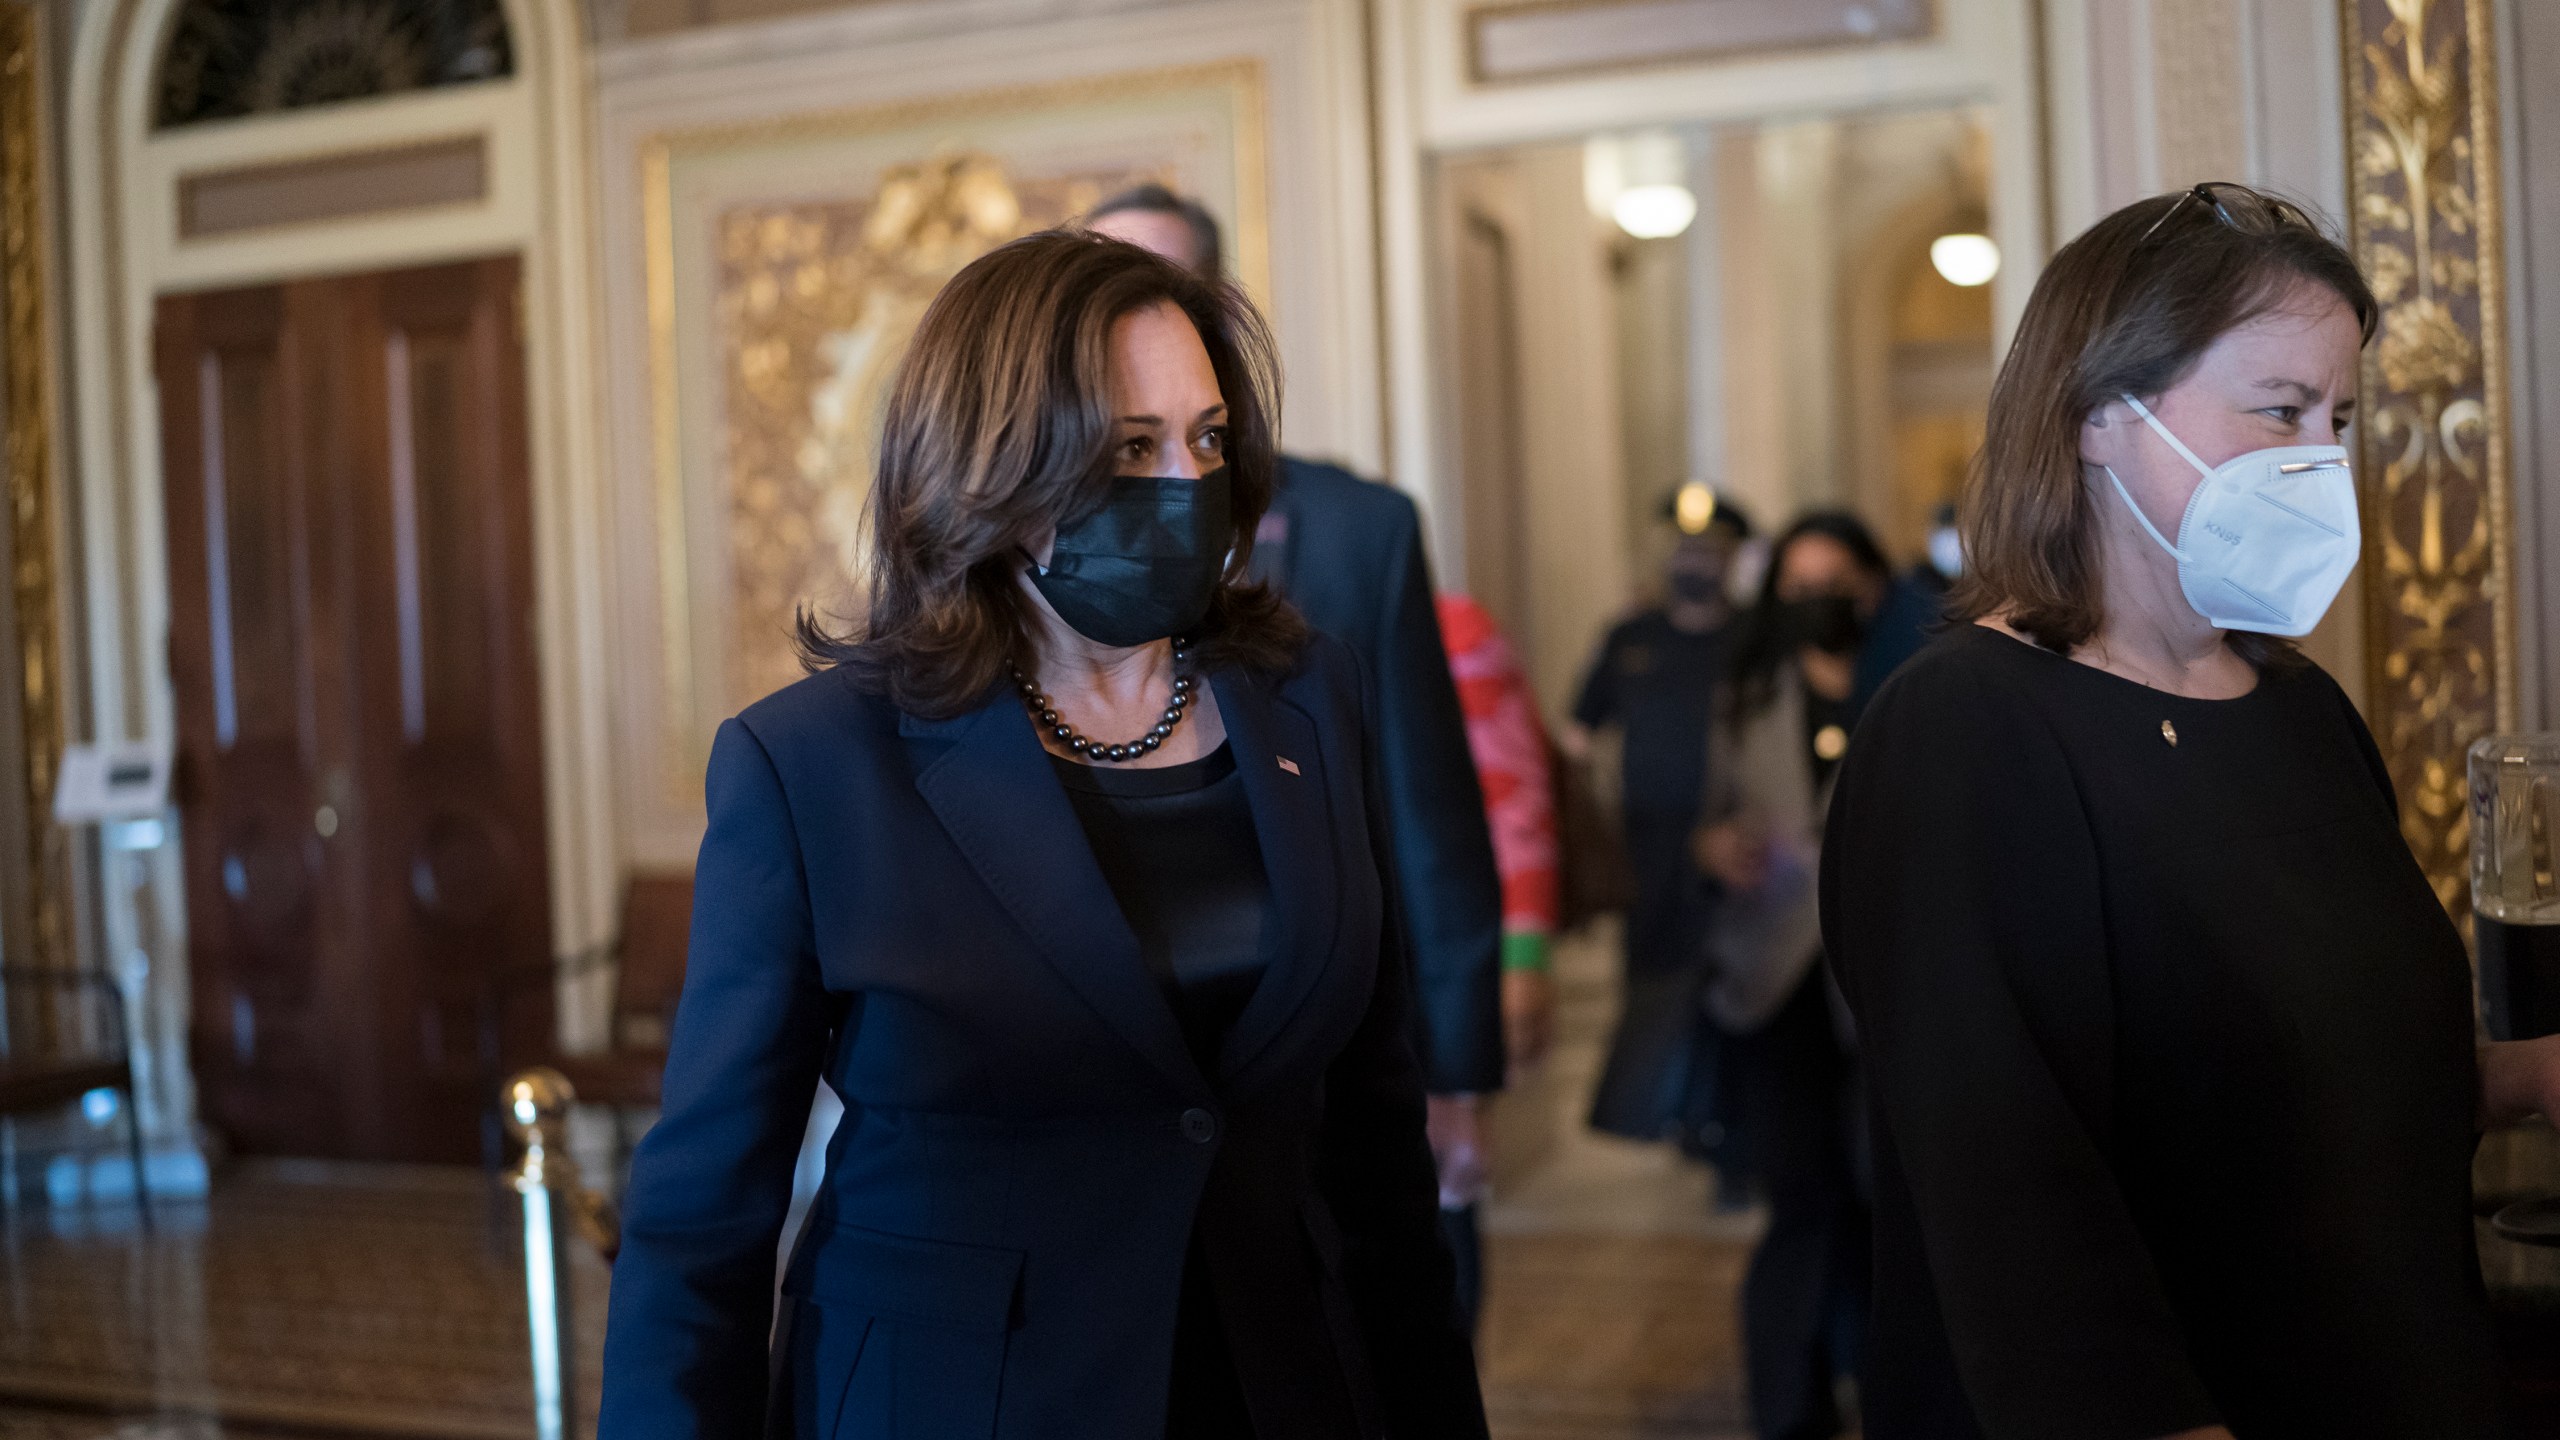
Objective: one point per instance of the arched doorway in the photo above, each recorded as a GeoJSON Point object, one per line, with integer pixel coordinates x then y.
{"type": "Point", "coordinates": [318, 163]}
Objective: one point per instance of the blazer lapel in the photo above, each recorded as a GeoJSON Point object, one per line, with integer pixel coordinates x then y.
{"type": "Point", "coordinates": [1281, 757]}
{"type": "Point", "coordinates": [995, 795]}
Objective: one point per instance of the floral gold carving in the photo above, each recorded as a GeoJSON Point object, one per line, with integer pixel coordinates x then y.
{"type": "Point", "coordinates": [34, 573]}
{"type": "Point", "coordinates": [2424, 222]}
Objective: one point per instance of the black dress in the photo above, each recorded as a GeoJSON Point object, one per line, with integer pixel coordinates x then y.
{"type": "Point", "coordinates": [1177, 846]}
{"type": "Point", "coordinates": [2170, 1047]}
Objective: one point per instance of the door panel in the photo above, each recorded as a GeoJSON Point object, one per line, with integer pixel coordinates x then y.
{"type": "Point", "coordinates": [359, 734]}
{"type": "Point", "coordinates": [242, 656]}
{"type": "Point", "coordinates": [453, 732]}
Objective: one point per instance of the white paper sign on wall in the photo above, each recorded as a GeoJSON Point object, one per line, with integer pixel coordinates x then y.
{"type": "Point", "coordinates": [124, 781]}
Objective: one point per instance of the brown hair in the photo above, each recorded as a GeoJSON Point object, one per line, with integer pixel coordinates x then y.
{"type": "Point", "coordinates": [2126, 309]}
{"type": "Point", "coordinates": [998, 428]}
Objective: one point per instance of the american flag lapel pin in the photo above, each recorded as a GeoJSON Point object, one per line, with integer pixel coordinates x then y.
{"type": "Point", "coordinates": [1289, 765]}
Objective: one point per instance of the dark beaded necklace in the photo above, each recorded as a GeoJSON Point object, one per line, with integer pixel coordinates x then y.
{"type": "Point", "coordinates": [1045, 715]}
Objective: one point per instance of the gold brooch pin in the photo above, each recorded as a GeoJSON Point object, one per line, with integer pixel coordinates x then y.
{"type": "Point", "coordinates": [2169, 733]}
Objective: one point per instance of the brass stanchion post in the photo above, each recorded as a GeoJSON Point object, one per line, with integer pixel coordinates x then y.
{"type": "Point", "coordinates": [536, 1105]}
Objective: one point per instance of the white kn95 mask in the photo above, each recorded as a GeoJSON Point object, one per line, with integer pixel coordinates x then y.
{"type": "Point", "coordinates": [2268, 538]}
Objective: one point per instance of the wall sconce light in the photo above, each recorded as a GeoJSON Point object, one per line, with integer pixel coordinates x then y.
{"type": "Point", "coordinates": [1654, 212]}
{"type": "Point", "coordinates": [1638, 181]}
{"type": "Point", "coordinates": [1965, 259]}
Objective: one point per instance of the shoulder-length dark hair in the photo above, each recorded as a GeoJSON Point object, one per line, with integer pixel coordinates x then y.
{"type": "Point", "coordinates": [2126, 309]}
{"type": "Point", "coordinates": [999, 428]}
{"type": "Point", "coordinates": [1760, 642]}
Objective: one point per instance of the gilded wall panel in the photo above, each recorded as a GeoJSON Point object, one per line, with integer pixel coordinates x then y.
{"type": "Point", "coordinates": [34, 574]}
{"type": "Point", "coordinates": [2424, 219]}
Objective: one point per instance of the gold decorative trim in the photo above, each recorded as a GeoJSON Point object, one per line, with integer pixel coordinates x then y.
{"type": "Point", "coordinates": [683, 748]}
{"type": "Point", "coordinates": [35, 578]}
{"type": "Point", "coordinates": [2425, 215]}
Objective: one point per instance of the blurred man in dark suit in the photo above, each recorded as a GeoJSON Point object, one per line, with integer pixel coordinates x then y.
{"type": "Point", "coordinates": [1349, 553]}
{"type": "Point", "coordinates": [1655, 682]}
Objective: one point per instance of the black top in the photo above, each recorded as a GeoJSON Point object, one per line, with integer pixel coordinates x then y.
{"type": "Point", "coordinates": [2170, 1045]}
{"type": "Point", "coordinates": [1176, 845]}
{"type": "Point", "coordinates": [1657, 683]}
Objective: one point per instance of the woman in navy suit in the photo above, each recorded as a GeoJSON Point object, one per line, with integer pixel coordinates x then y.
{"type": "Point", "coordinates": [1063, 870]}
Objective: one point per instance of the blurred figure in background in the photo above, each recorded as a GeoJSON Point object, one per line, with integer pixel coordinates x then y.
{"type": "Point", "coordinates": [1945, 564]}
{"type": "Point", "coordinates": [1655, 681]}
{"type": "Point", "coordinates": [1349, 553]}
{"type": "Point", "coordinates": [1510, 750]}
{"type": "Point", "coordinates": [1914, 610]}
{"type": "Point", "coordinates": [1778, 742]}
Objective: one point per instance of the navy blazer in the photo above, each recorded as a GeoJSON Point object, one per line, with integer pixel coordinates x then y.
{"type": "Point", "coordinates": [1348, 552]}
{"type": "Point", "coordinates": [909, 910]}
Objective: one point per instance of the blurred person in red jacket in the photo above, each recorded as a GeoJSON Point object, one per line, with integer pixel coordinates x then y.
{"type": "Point", "coordinates": [1510, 749]}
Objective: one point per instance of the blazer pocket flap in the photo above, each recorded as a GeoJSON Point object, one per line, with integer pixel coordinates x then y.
{"type": "Point", "coordinates": [899, 1277]}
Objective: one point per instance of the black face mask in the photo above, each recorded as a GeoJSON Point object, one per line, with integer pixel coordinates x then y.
{"type": "Point", "coordinates": [1146, 565]}
{"type": "Point", "coordinates": [1826, 622]}
{"type": "Point", "coordinates": [1696, 587]}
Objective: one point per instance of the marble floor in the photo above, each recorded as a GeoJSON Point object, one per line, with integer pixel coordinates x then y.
{"type": "Point", "coordinates": [310, 1302]}
{"type": "Point", "coordinates": [1611, 1285]}
{"type": "Point", "coordinates": [300, 1300]}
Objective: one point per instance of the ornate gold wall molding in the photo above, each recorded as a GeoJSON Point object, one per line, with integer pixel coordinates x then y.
{"type": "Point", "coordinates": [34, 570]}
{"type": "Point", "coordinates": [2424, 219]}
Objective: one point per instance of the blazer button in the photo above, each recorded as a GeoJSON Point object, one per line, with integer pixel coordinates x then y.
{"type": "Point", "coordinates": [1199, 1126]}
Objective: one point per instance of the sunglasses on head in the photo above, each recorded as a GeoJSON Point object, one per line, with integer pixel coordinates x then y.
{"type": "Point", "coordinates": [2252, 212]}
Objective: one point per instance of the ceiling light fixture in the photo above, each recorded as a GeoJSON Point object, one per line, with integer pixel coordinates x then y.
{"type": "Point", "coordinates": [1965, 259]}
{"type": "Point", "coordinates": [1654, 212]}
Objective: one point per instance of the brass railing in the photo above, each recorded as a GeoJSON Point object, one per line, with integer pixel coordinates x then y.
{"type": "Point", "coordinates": [557, 1207]}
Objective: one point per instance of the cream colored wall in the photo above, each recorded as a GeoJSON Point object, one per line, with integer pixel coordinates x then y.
{"type": "Point", "coordinates": [1710, 457]}
{"type": "Point", "coordinates": [1755, 441]}
{"type": "Point", "coordinates": [1572, 496]}
{"type": "Point", "coordinates": [1905, 180]}
{"type": "Point", "coordinates": [1800, 204]}
{"type": "Point", "coordinates": [1651, 285]}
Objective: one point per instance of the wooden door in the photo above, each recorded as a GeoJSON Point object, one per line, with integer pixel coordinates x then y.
{"type": "Point", "coordinates": [359, 736]}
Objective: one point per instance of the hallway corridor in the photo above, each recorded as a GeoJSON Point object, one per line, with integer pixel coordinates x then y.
{"type": "Point", "coordinates": [1610, 1303]}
